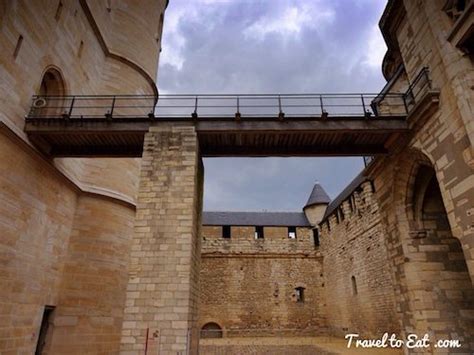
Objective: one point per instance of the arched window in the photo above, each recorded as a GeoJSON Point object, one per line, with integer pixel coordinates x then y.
{"type": "Point", "coordinates": [211, 330]}
{"type": "Point", "coordinates": [354, 285]}
{"type": "Point", "coordinates": [51, 92]}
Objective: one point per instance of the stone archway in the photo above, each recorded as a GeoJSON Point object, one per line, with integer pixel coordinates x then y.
{"type": "Point", "coordinates": [439, 285]}
{"type": "Point", "coordinates": [211, 330]}
{"type": "Point", "coordinates": [434, 292]}
{"type": "Point", "coordinates": [51, 92]}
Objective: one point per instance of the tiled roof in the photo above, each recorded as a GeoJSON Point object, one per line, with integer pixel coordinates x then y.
{"type": "Point", "coordinates": [271, 219]}
{"type": "Point", "coordinates": [318, 196]}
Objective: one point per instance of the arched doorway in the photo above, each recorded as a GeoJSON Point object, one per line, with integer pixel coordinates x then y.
{"type": "Point", "coordinates": [51, 95]}
{"type": "Point", "coordinates": [211, 330]}
{"type": "Point", "coordinates": [440, 289]}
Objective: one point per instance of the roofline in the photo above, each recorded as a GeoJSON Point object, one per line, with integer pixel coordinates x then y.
{"type": "Point", "coordinates": [390, 20]}
{"type": "Point", "coordinates": [316, 204]}
{"type": "Point", "coordinates": [299, 223]}
{"type": "Point", "coordinates": [214, 211]}
{"type": "Point", "coordinates": [259, 225]}
{"type": "Point", "coordinates": [345, 194]}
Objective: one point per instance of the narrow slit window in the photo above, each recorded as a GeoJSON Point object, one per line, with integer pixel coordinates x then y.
{"type": "Point", "coordinates": [81, 48]}
{"type": "Point", "coordinates": [354, 285]}
{"type": "Point", "coordinates": [299, 294]}
{"type": "Point", "coordinates": [316, 237]}
{"type": "Point", "coordinates": [259, 232]}
{"type": "Point", "coordinates": [18, 46]}
{"type": "Point", "coordinates": [292, 232]}
{"type": "Point", "coordinates": [59, 9]}
{"type": "Point", "coordinates": [351, 203]}
{"type": "Point", "coordinates": [226, 232]}
{"type": "Point", "coordinates": [44, 328]}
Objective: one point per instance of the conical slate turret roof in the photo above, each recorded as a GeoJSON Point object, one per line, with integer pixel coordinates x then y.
{"type": "Point", "coordinates": [318, 196]}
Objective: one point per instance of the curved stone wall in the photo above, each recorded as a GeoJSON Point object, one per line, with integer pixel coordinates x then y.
{"type": "Point", "coordinates": [88, 318]}
{"type": "Point", "coordinates": [82, 274]}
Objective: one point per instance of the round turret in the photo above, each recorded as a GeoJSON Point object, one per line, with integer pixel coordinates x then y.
{"type": "Point", "coordinates": [316, 205]}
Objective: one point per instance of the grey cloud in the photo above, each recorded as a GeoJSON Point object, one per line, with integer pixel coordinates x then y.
{"type": "Point", "coordinates": [219, 55]}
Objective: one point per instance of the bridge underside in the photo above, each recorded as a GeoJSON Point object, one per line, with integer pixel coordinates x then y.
{"type": "Point", "coordinates": [222, 137]}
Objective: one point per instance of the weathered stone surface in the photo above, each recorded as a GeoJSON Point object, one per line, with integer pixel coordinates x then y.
{"type": "Point", "coordinates": [354, 247]}
{"type": "Point", "coordinates": [63, 245]}
{"type": "Point", "coordinates": [248, 285]}
{"type": "Point", "coordinates": [162, 292]}
{"type": "Point", "coordinates": [67, 224]}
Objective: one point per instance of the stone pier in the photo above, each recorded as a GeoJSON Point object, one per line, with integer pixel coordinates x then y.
{"type": "Point", "coordinates": [161, 301]}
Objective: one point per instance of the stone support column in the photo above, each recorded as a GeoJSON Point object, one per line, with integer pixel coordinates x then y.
{"type": "Point", "coordinates": [162, 294]}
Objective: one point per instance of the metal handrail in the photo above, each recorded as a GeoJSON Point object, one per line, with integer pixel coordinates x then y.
{"type": "Point", "coordinates": [212, 105]}
{"type": "Point", "coordinates": [422, 80]}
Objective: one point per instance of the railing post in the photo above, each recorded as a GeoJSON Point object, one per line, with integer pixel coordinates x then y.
{"type": "Point", "coordinates": [405, 103]}
{"type": "Point", "coordinates": [281, 114]}
{"type": "Point", "coordinates": [151, 114]}
{"type": "Point", "coordinates": [367, 113]}
{"type": "Point", "coordinates": [109, 114]}
{"type": "Point", "coordinates": [72, 105]}
{"type": "Point", "coordinates": [113, 106]}
{"type": "Point", "coordinates": [237, 113]}
{"type": "Point", "coordinates": [324, 113]}
{"type": "Point", "coordinates": [195, 114]}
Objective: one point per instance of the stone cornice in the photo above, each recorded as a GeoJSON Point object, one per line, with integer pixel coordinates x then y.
{"type": "Point", "coordinates": [391, 18]}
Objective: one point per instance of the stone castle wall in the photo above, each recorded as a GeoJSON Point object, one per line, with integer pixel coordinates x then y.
{"type": "Point", "coordinates": [248, 285]}
{"type": "Point", "coordinates": [359, 288]}
{"type": "Point", "coordinates": [432, 261]}
{"type": "Point", "coordinates": [67, 221]}
{"type": "Point", "coordinates": [36, 224]}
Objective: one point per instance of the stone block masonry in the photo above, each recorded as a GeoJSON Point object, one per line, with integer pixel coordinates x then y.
{"type": "Point", "coordinates": [248, 286]}
{"type": "Point", "coordinates": [161, 301]}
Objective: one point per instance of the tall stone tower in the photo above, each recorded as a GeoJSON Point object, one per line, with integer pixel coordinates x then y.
{"type": "Point", "coordinates": [425, 189]}
{"type": "Point", "coordinates": [67, 223]}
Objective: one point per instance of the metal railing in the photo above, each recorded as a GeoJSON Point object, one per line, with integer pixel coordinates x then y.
{"type": "Point", "coordinates": [212, 106]}
{"type": "Point", "coordinates": [383, 103]}
{"type": "Point", "coordinates": [184, 106]}
{"type": "Point", "coordinates": [420, 85]}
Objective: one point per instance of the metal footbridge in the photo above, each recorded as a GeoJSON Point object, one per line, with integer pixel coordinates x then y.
{"type": "Point", "coordinates": [226, 125]}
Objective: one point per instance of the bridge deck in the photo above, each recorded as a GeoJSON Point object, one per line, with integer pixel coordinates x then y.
{"type": "Point", "coordinates": [227, 125]}
{"type": "Point", "coordinates": [249, 137]}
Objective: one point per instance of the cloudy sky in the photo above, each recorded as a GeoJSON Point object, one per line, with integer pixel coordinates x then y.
{"type": "Point", "coordinates": [272, 46]}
